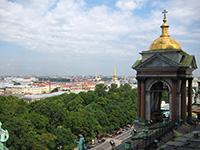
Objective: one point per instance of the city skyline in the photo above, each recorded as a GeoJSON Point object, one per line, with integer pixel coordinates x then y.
{"type": "Point", "coordinates": [85, 37]}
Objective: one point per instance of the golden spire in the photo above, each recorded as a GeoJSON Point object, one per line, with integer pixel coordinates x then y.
{"type": "Point", "coordinates": [115, 70]}
{"type": "Point", "coordinates": [96, 76]}
{"type": "Point", "coordinates": [114, 77]}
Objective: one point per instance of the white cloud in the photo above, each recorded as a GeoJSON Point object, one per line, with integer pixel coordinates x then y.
{"type": "Point", "coordinates": [71, 27]}
{"type": "Point", "coordinates": [190, 41]}
{"type": "Point", "coordinates": [129, 5]}
{"type": "Point", "coordinates": [184, 11]}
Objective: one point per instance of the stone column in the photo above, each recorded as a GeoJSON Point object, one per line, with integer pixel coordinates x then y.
{"type": "Point", "coordinates": [198, 86]}
{"type": "Point", "coordinates": [148, 106]}
{"type": "Point", "coordinates": [170, 106]}
{"type": "Point", "coordinates": [190, 98]}
{"type": "Point", "coordinates": [142, 112]}
{"type": "Point", "coordinates": [138, 99]}
{"type": "Point", "coordinates": [183, 100]}
{"type": "Point", "coordinates": [174, 98]}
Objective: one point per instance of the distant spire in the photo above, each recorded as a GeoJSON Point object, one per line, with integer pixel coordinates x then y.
{"type": "Point", "coordinates": [96, 76]}
{"type": "Point", "coordinates": [115, 70]}
{"type": "Point", "coordinates": [114, 76]}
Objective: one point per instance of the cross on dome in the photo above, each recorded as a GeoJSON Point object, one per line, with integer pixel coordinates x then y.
{"type": "Point", "coordinates": [164, 12]}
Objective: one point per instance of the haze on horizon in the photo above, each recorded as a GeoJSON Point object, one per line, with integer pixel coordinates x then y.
{"type": "Point", "coordinates": [85, 37]}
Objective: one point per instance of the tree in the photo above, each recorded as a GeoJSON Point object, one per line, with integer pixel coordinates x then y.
{"type": "Point", "coordinates": [113, 88]}
{"type": "Point", "coordinates": [88, 97]}
{"type": "Point", "coordinates": [18, 129]}
{"type": "Point", "coordinates": [101, 101]}
{"type": "Point", "coordinates": [17, 83]}
{"type": "Point", "coordinates": [57, 111]}
{"type": "Point", "coordinates": [100, 90]}
{"type": "Point", "coordinates": [65, 138]}
{"type": "Point", "coordinates": [54, 90]}
{"type": "Point", "coordinates": [165, 96]}
{"type": "Point", "coordinates": [75, 103]}
{"type": "Point", "coordinates": [125, 87]}
{"type": "Point", "coordinates": [46, 141]}
{"type": "Point", "coordinates": [40, 122]}
{"type": "Point", "coordinates": [53, 122]}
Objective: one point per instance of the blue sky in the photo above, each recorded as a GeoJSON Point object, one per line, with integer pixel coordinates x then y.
{"type": "Point", "coordinates": [85, 37]}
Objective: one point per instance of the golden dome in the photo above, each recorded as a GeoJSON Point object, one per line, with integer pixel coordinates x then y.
{"type": "Point", "coordinates": [165, 41]}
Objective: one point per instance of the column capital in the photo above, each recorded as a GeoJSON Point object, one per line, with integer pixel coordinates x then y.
{"type": "Point", "coordinates": [189, 79]}
{"type": "Point", "coordinates": [141, 79]}
{"type": "Point", "coordinates": [138, 79]}
{"type": "Point", "coordinates": [183, 78]}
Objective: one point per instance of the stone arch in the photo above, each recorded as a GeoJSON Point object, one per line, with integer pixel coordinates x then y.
{"type": "Point", "coordinates": [159, 80]}
{"type": "Point", "coordinates": [155, 90]}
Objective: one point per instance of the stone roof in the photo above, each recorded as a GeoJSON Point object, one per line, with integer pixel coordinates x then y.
{"type": "Point", "coordinates": [184, 142]}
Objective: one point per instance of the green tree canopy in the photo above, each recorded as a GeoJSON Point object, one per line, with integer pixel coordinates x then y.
{"type": "Point", "coordinates": [100, 90]}
{"type": "Point", "coordinates": [56, 121]}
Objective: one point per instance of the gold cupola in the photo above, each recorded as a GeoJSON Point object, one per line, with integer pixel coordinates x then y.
{"type": "Point", "coordinates": [165, 42]}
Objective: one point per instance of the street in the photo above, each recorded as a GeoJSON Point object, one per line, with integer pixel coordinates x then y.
{"type": "Point", "coordinates": [118, 139]}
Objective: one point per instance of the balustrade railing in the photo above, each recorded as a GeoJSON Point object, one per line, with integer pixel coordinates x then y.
{"type": "Point", "coordinates": [153, 136]}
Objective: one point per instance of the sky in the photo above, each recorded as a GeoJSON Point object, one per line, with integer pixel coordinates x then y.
{"type": "Point", "coordinates": [85, 37]}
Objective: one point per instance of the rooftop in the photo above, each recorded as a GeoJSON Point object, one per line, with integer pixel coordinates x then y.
{"type": "Point", "coordinates": [184, 142]}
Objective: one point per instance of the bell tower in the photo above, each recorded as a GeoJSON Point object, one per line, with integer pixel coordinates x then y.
{"type": "Point", "coordinates": [162, 72]}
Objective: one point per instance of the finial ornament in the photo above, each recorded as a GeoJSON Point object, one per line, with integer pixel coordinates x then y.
{"type": "Point", "coordinates": [165, 18]}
